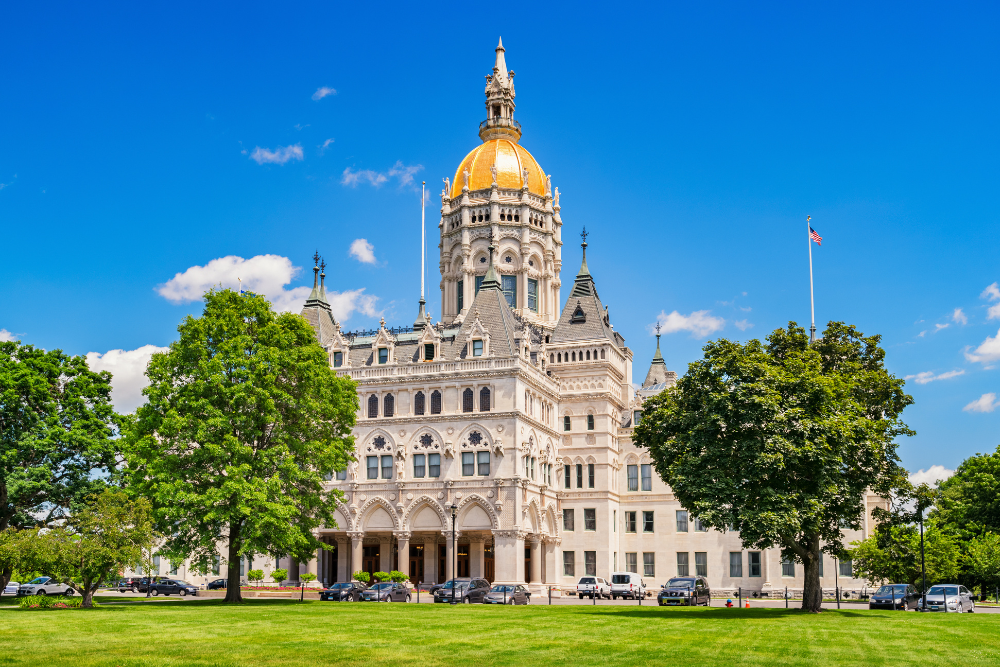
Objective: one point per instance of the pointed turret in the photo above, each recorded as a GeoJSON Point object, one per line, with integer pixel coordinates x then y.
{"type": "Point", "coordinates": [500, 67]}
{"type": "Point", "coordinates": [658, 368]}
{"type": "Point", "coordinates": [500, 123]}
{"type": "Point", "coordinates": [314, 295]}
{"type": "Point", "coordinates": [317, 310]}
{"type": "Point", "coordinates": [491, 280]}
{"type": "Point", "coordinates": [584, 283]}
{"type": "Point", "coordinates": [584, 317]}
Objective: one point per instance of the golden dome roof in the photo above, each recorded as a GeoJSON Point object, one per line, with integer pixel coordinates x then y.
{"type": "Point", "coordinates": [510, 159]}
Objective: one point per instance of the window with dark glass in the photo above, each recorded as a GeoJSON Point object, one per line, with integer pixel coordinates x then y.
{"type": "Point", "coordinates": [590, 422]}
{"type": "Point", "coordinates": [435, 402]}
{"type": "Point", "coordinates": [846, 568]}
{"type": "Point", "coordinates": [419, 469]}
{"type": "Point", "coordinates": [682, 564]}
{"type": "Point", "coordinates": [682, 521]}
{"type": "Point", "coordinates": [753, 562]}
{"type": "Point", "coordinates": [735, 564]}
{"type": "Point", "coordinates": [419, 403]}
{"type": "Point", "coordinates": [568, 481]}
{"type": "Point", "coordinates": [533, 295]}
{"type": "Point", "coordinates": [633, 477]}
{"type": "Point", "coordinates": [477, 348]}
{"type": "Point", "coordinates": [630, 522]}
{"type": "Point", "coordinates": [372, 406]}
{"type": "Point", "coordinates": [647, 521]}
{"type": "Point", "coordinates": [590, 563]}
{"type": "Point", "coordinates": [433, 465]}
{"type": "Point", "coordinates": [648, 564]}
{"type": "Point", "coordinates": [569, 519]}
{"type": "Point", "coordinates": [590, 475]}
{"type": "Point", "coordinates": [479, 281]}
{"type": "Point", "coordinates": [698, 526]}
{"type": "Point", "coordinates": [566, 423]}
{"type": "Point", "coordinates": [509, 284]}
{"type": "Point", "coordinates": [787, 568]}
{"type": "Point", "coordinates": [579, 475]}
{"type": "Point", "coordinates": [636, 417]}
{"type": "Point", "coordinates": [387, 467]}
{"type": "Point", "coordinates": [338, 359]}
{"type": "Point", "coordinates": [388, 405]}
{"type": "Point", "coordinates": [590, 519]}
{"type": "Point", "coordinates": [428, 351]}
{"type": "Point", "coordinates": [372, 467]}
{"type": "Point", "coordinates": [468, 464]}
{"type": "Point", "coordinates": [484, 399]}
{"type": "Point", "coordinates": [647, 477]}
{"type": "Point", "coordinates": [460, 296]}
{"type": "Point", "coordinates": [569, 563]}
{"type": "Point", "coordinates": [383, 355]}
{"type": "Point", "coordinates": [467, 405]}
{"type": "Point", "coordinates": [483, 463]}
{"type": "Point", "coordinates": [342, 474]}
{"type": "Point", "coordinates": [631, 563]}
{"type": "Point", "coordinates": [701, 563]}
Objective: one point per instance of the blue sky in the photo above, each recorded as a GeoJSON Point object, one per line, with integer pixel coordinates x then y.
{"type": "Point", "coordinates": [690, 139]}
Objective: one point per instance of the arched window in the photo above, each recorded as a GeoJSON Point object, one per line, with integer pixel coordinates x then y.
{"type": "Point", "coordinates": [418, 403]}
{"type": "Point", "coordinates": [552, 358]}
{"type": "Point", "coordinates": [372, 406]}
{"type": "Point", "coordinates": [467, 405]}
{"type": "Point", "coordinates": [560, 356]}
{"type": "Point", "coordinates": [388, 406]}
{"type": "Point", "coordinates": [435, 402]}
{"type": "Point", "coordinates": [484, 399]}
{"type": "Point", "coordinates": [574, 356]}
{"type": "Point", "coordinates": [602, 353]}
{"type": "Point", "coordinates": [588, 355]}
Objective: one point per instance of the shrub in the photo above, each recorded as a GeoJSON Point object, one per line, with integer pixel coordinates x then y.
{"type": "Point", "coordinates": [47, 602]}
{"type": "Point", "coordinates": [279, 574]}
{"type": "Point", "coordinates": [381, 576]}
{"type": "Point", "coordinates": [362, 576]}
{"type": "Point", "coordinates": [255, 575]}
{"type": "Point", "coordinates": [398, 576]}
{"type": "Point", "coordinates": [307, 577]}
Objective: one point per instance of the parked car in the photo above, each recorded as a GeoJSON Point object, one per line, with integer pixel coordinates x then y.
{"type": "Point", "coordinates": [627, 585]}
{"type": "Point", "coordinates": [142, 584]}
{"type": "Point", "coordinates": [217, 584]}
{"type": "Point", "coordinates": [11, 588]}
{"type": "Point", "coordinates": [688, 591]}
{"type": "Point", "coordinates": [345, 591]}
{"type": "Point", "coordinates": [507, 594]}
{"type": "Point", "coordinates": [127, 584]}
{"type": "Point", "coordinates": [44, 586]}
{"type": "Point", "coordinates": [591, 586]}
{"type": "Point", "coordinates": [386, 591]}
{"type": "Point", "coordinates": [949, 597]}
{"type": "Point", "coordinates": [171, 586]}
{"type": "Point", "coordinates": [465, 590]}
{"type": "Point", "coordinates": [895, 596]}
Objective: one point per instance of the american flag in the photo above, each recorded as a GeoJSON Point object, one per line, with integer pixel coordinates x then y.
{"type": "Point", "coordinates": [815, 236]}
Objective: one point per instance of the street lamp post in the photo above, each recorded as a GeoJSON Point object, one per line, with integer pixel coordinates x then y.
{"type": "Point", "coordinates": [923, 571]}
{"type": "Point", "coordinates": [454, 553]}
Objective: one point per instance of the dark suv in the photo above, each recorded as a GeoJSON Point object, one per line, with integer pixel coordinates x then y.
{"type": "Point", "coordinates": [217, 584]}
{"type": "Point", "coordinates": [465, 590]}
{"type": "Point", "coordinates": [128, 584]}
{"type": "Point", "coordinates": [895, 596]}
{"type": "Point", "coordinates": [685, 591]}
{"type": "Point", "coordinates": [349, 591]}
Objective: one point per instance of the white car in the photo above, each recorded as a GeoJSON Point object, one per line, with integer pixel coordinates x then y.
{"type": "Point", "coordinates": [591, 586]}
{"type": "Point", "coordinates": [11, 588]}
{"type": "Point", "coordinates": [627, 585]}
{"type": "Point", "coordinates": [44, 586]}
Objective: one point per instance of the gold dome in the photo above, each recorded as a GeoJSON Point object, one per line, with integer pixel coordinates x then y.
{"type": "Point", "coordinates": [510, 159]}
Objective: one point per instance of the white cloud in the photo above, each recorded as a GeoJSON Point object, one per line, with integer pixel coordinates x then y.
{"type": "Point", "coordinates": [988, 351]}
{"type": "Point", "coordinates": [700, 323]}
{"type": "Point", "coordinates": [6, 336]}
{"type": "Point", "coordinates": [743, 325]}
{"type": "Point", "coordinates": [931, 476]}
{"type": "Point", "coordinates": [326, 144]}
{"type": "Point", "coordinates": [404, 174]}
{"type": "Point", "coordinates": [128, 370]}
{"type": "Point", "coordinates": [959, 317]}
{"type": "Point", "coordinates": [992, 292]}
{"type": "Point", "coordinates": [279, 155]}
{"type": "Point", "coordinates": [363, 251]}
{"type": "Point", "coordinates": [928, 376]}
{"type": "Point", "coordinates": [264, 274]}
{"type": "Point", "coordinates": [322, 92]}
{"type": "Point", "coordinates": [985, 403]}
{"type": "Point", "coordinates": [938, 327]}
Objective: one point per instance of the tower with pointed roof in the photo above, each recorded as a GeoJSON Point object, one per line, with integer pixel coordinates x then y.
{"type": "Point", "coordinates": [317, 310]}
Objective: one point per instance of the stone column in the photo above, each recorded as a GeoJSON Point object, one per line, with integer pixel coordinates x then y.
{"type": "Point", "coordinates": [477, 557]}
{"type": "Point", "coordinates": [343, 564]}
{"type": "Point", "coordinates": [385, 553]}
{"type": "Point", "coordinates": [449, 565]}
{"type": "Point", "coordinates": [357, 553]}
{"type": "Point", "coordinates": [508, 554]}
{"type": "Point", "coordinates": [431, 560]}
{"type": "Point", "coordinates": [536, 559]}
{"type": "Point", "coordinates": [403, 542]}
{"type": "Point", "coordinates": [550, 576]}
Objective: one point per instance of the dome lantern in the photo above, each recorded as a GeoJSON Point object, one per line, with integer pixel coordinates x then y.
{"type": "Point", "coordinates": [500, 123]}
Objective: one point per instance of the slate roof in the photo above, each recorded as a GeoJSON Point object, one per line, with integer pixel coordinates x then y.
{"type": "Point", "coordinates": [584, 317]}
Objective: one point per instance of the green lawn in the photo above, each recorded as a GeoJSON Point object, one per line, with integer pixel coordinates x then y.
{"type": "Point", "coordinates": [279, 632]}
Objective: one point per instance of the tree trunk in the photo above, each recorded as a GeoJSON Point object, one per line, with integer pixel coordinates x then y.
{"type": "Point", "coordinates": [5, 575]}
{"type": "Point", "coordinates": [87, 591]}
{"type": "Point", "coordinates": [233, 593]}
{"type": "Point", "coordinates": [812, 590]}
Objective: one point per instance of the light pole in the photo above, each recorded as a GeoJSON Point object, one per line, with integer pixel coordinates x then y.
{"type": "Point", "coordinates": [454, 553]}
{"type": "Point", "coordinates": [923, 571]}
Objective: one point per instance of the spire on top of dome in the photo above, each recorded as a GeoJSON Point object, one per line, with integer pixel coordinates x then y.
{"type": "Point", "coordinates": [500, 123]}
{"type": "Point", "coordinates": [500, 68]}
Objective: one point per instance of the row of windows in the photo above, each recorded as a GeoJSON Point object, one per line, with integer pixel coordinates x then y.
{"type": "Point", "coordinates": [684, 564]}
{"type": "Point", "coordinates": [589, 519]}
{"type": "Point", "coordinates": [632, 471]}
{"type": "Point", "coordinates": [544, 468]}
{"type": "Point", "coordinates": [428, 465]}
{"type": "Point", "coordinates": [560, 357]}
{"type": "Point", "coordinates": [568, 476]}
{"type": "Point", "coordinates": [420, 403]}
{"type": "Point", "coordinates": [845, 567]}
{"type": "Point", "coordinates": [508, 284]}
{"type": "Point", "coordinates": [568, 423]}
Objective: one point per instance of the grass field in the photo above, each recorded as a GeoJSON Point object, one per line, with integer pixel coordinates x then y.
{"type": "Point", "coordinates": [279, 632]}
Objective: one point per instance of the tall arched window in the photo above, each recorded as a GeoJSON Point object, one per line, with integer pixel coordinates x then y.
{"type": "Point", "coordinates": [602, 353]}
{"type": "Point", "coordinates": [574, 356]}
{"type": "Point", "coordinates": [388, 406]}
{"type": "Point", "coordinates": [435, 402]}
{"type": "Point", "coordinates": [484, 399]}
{"type": "Point", "coordinates": [552, 358]}
{"type": "Point", "coordinates": [372, 406]}
{"type": "Point", "coordinates": [418, 403]}
{"type": "Point", "coordinates": [467, 405]}
{"type": "Point", "coordinates": [588, 355]}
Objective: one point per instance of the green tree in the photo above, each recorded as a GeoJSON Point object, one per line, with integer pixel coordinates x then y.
{"type": "Point", "coordinates": [398, 577]}
{"type": "Point", "coordinates": [362, 576]}
{"type": "Point", "coordinates": [279, 574]}
{"type": "Point", "coordinates": [244, 420]}
{"type": "Point", "coordinates": [100, 540]}
{"type": "Point", "coordinates": [255, 575]}
{"type": "Point", "coordinates": [381, 576]}
{"type": "Point", "coordinates": [307, 577]}
{"type": "Point", "coordinates": [970, 499]}
{"type": "Point", "coordinates": [56, 428]}
{"type": "Point", "coordinates": [781, 441]}
{"type": "Point", "coordinates": [891, 554]}
{"type": "Point", "coordinates": [982, 562]}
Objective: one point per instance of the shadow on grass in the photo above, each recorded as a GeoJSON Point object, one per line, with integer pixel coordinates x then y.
{"type": "Point", "coordinates": [717, 613]}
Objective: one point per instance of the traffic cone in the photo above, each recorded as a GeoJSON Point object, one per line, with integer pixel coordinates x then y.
{"type": "Point", "coordinates": [748, 604]}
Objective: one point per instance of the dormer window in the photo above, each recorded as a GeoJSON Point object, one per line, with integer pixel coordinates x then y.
{"type": "Point", "coordinates": [428, 351]}
{"type": "Point", "coordinates": [578, 315]}
{"type": "Point", "coordinates": [477, 348]}
{"type": "Point", "coordinates": [383, 355]}
{"type": "Point", "coordinates": [338, 359]}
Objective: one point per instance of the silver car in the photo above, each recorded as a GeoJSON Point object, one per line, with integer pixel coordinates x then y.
{"type": "Point", "coordinates": [949, 598]}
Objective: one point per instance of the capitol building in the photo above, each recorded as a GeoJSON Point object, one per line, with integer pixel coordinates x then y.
{"type": "Point", "coordinates": [515, 412]}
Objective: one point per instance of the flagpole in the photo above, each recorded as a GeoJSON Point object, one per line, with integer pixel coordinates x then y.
{"type": "Point", "coordinates": [812, 300]}
{"type": "Point", "coordinates": [423, 250]}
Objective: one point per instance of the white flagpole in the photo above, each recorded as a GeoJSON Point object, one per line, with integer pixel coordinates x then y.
{"type": "Point", "coordinates": [812, 300]}
{"type": "Point", "coordinates": [423, 250]}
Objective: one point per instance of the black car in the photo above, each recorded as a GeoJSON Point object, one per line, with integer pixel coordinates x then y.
{"type": "Point", "coordinates": [688, 591]}
{"type": "Point", "coordinates": [128, 584]}
{"type": "Point", "coordinates": [173, 586]}
{"type": "Point", "coordinates": [141, 585]}
{"type": "Point", "coordinates": [349, 591]}
{"type": "Point", "coordinates": [465, 590]}
{"type": "Point", "coordinates": [217, 584]}
{"type": "Point", "coordinates": [895, 596]}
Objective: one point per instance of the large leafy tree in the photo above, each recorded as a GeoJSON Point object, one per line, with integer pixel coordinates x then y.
{"type": "Point", "coordinates": [244, 420]}
{"type": "Point", "coordinates": [969, 502]}
{"type": "Point", "coordinates": [781, 441]}
{"type": "Point", "coordinates": [891, 554]}
{"type": "Point", "coordinates": [56, 436]}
